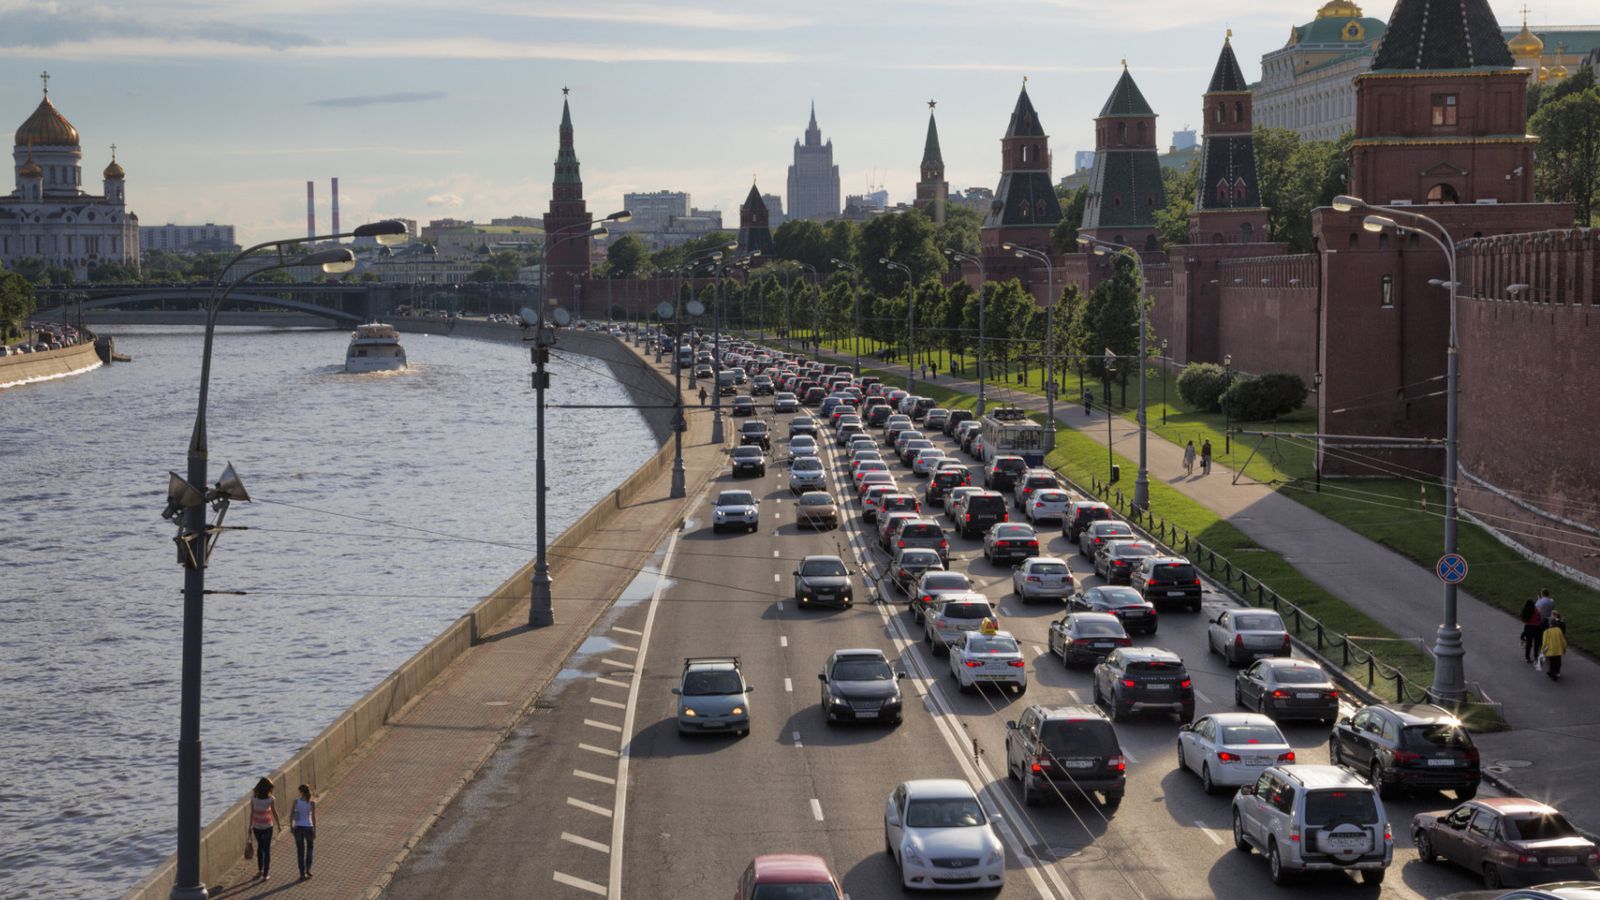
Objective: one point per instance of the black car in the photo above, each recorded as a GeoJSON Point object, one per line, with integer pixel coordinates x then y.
{"type": "Point", "coordinates": [755, 433]}
{"type": "Point", "coordinates": [978, 512]}
{"type": "Point", "coordinates": [957, 416]}
{"type": "Point", "coordinates": [749, 460]}
{"type": "Point", "coordinates": [860, 686]}
{"type": "Point", "coordinates": [1116, 560]}
{"type": "Point", "coordinates": [1286, 688]}
{"type": "Point", "coordinates": [744, 406]}
{"type": "Point", "coordinates": [1144, 679]}
{"type": "Point", "coordinates": [1010, 542]}
{"type": "Point", "coordinates": [1407, 746]}
{"type": "Point", "coordinates": [942, 481]}
{"type": "Point", "coordinates": [1133, 611]}
{"type": "Point", "coordinates": [1067, 752]}
{"type": "Point", "coordinates": [823, 580]}
{"type": "Point", "coordinates": [1170, 580]}
{"type": "Point", "coordinates": [1084, 638]}
{"type": "Point", "coordinates": [1080, 515]}
{"type": "Point", "coordinates": [877, 415]}
{"type": "Point", "coordinates": [1092, 537]}
{"type": "Point", "coordinates": [1002, 474]}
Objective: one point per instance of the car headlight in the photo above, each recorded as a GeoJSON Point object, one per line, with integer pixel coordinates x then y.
{"type": "Point", "coordinates": [837, 700]}
{"type": "Point", "coordinates": [737, 711]}
{"type": "Point", "coordinates": [909, 852]}
{"type": "Point", "coordinates": [995, 855]}
{"type": "Point", "coordinates": [689, 712]}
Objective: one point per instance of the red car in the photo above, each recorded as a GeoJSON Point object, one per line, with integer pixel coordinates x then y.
{"type": "Point", "coordinates": [788, 876]}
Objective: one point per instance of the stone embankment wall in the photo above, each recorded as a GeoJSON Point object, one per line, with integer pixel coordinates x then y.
{"type": "Point", "coordinates": [27, 368]}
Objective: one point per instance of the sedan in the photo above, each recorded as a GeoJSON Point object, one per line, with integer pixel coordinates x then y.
{"type": "Point", "coordinates": [823, 579]}
{"type": "Point", "coordinates": [1046, 505]}
{"type": "Point", "coordinates": [1231, 749]}
{"type": "Point", "coordinates": [923, 463]}
{"type": "Point", "coordinates": [744, 406]}
{"type": "Point", "coordinates": [1011, 542]}
{"type": "Point", "coordinates": [1116, 560]}
{"type": "Point", "coordinates": [1096, 535]}
{"type": "Point", "coordinates": [874, 478]}
{"type": "Point", "coordinates": [1240, 635]}
{"type": "Point", "coordinates": [866, 466]}
{"type": "Point", "coordinates": [932, 587]}
{"type": "Point", "coordinates": [816, 509]}
{"type": "Point", "coordinates": [1135, 612]}
{"type": "Point", "coordinates": [748, 460]}
{"type": "Point", "coordinates": [735, 509]}
{"type": "Point", "coordinates": [1042, 576]}
{"type": "Point", "coordinates": [785, 403]}
{"type": "Point", "coordinates": [940, 837]}
{"type": "Point", "coordinates": [1287, 688]}
{"type": "Point", "coordinates": [988, 656]}
{"type": "Point", "coordinates": [802, 445]}
{"type": "Point", "coordinates": [1084, 638]}
{"type": "Point", "coordinates": [860, 686]}
{"type": "Point", "coordinates": [1506, 841]}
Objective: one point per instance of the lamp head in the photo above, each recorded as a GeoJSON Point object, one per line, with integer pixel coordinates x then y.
{"type": "Point", "coordinates": [731, 245]}
{"type": "Point", "coordinates": [334, 261]}
{"type": "Point", "coordinates": [1227, 359]}
{"type": "Point", "coordinates": [1345, 203]}
{"type": "Point", "coordinates": [229, 487]}
{"type": "Point", "coordinates": [1375, 223]}
{"type": "Point", "coordinates": [883, 260]}
{"type": "Point", "coordinates": [1018, 254]}
{"type": "Point", "coordinates": [1083, 240]}
{"type": "Point", "coordinates": [1100, 250]}
{"type": "Point", "coordinates": [388, 232]}
{"type": "Point", "coordinates": [1007, 245]}
{"type": "Point", "coordinates": [181, 495]}
{"type": "Point", "coordinates": [620, 216]}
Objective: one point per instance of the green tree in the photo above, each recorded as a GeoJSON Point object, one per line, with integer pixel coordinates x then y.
{"type": "Point", "coordinates": [1295, 178]}
{"type": "Point", "coordinates": [1542, 92]}
{"type": "Point", "coordinates": [842, 240]}
{"type": "Point", "coordinates": [483, 273]}
{"type": "Point", "coordinates": [801, 240]}
{"type": "Point", "coordinates": [627, 257]}
{"type": "Point", "coordinates": [112, 272]}
{"type": "Point", "coordinates": [17, 303]}
{"type": "Point", "coordinates": [1064, 238]}
{"type": "Point", "coordinates": [1567, 168]}
{"type": "Point", "coordinates": [954, 335]}
{"type": "Point", "coordinates": [1008, 312]}
{"type": "Point", "coordinates": [1172, 220]}
{"type": "Point", "coordinates": [905, 239]}
{"type": "Point", "coordinates": [959, 231]}
{"type": "Point", "coordinates": [1111, 321]}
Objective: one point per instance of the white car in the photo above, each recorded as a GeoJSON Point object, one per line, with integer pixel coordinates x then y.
{"type": "Point", "coordinates": [925, 461]}
{"type": "Point", "coordinates": [1042, 576]}
{"type": "Point", "coordinates": [1241, 635]}
{"type": "Point", "coordinates": [1231, 749]}
{"type": "Point", "coordinates": [736, 509]}
{"type": "Point", "coordinates": [867, 467]}
{"type": "Point", "coordinates": [806, 475]}
{"type": "Point", "coordinates": [802, 445]}
{"type": "Point", "coordinates": [987, 656]}
{"type": "Point", "coordinates": [941, 838]}
{"type": "Point", "coordinates": [1047, 504]}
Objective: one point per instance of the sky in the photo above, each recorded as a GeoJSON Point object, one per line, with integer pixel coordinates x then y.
{"type": "Point", "coordinates": [221, 111]}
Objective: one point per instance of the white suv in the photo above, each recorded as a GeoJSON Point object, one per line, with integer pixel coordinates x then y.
{"type": "Point", "coordinates": [1313, 818]}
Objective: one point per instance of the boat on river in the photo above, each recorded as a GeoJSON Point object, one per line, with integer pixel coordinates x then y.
{"type": "Point", "coordinates": [374, 347]}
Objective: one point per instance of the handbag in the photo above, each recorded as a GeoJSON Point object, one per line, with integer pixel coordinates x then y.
{"type": "Point", "coordinates": [1538, 664]}
{"type": "Point", "coordinates": [249, 848]}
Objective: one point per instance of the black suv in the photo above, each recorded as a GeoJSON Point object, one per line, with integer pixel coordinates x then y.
{"type": "Point", "coordinates": [748, 460]}
{"type": "Point", "coordinates": [755, 432]}
{"type": "Point", "coordinates": [1003, 472]}
{"type": "Point", "coordinates": [942, 481]}
{"type": "Point", "coordinates": [1144, 679]}
{"type": "Point", "coordinates": [957, 416]}
{"type": "Point", "coordinates": [1065, 751]}
{"type": "Point", "coordinates": [1167, 580]}
{"type": "Point", "coordinates": [1408, 746]}
{"type": "Point", "coordinates": [1080, 515]}
{"type": "Point", "coordinates": [978, 511]}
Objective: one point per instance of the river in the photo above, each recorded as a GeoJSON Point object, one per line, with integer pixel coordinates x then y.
{"type": "Point", "coordinates": [339, 588]}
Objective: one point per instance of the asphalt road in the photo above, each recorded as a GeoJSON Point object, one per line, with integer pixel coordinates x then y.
{"type": "Point", "coordinates": [560, 812]}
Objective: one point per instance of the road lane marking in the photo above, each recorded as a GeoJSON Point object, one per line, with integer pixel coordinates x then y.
{"type": "Point", "coordinates": [626, 630]}
{"type": "Point", "coordinates": [797, 739]}
{"type": "Point", "coordinates": [816, 809]}
{"type": "Point", "coordinates": [774, 554]}
{"type": "Point", "coordinates": [780, 606]}
{"type": "Point", "coordinates": [601, 679]}
{"type": "Point", "coordinates": [600, 750]}
{"type": "Point", "coordinates": [1037, 650]}
{"type": "Point", "coordinates": [1209, 833]}
{"type": "Point", "coordinates": [603, 779]}
{"type": "Point", "coordinates": [579, 883]}
{"type": "Point", "coordinates": [783, 640]}
{"type": "Point", "coordinates": [591, 807]}
{"type": "Point", "coordinates": [584, 842]}
{"type": "Point", "coordinates": [611, 703]}
{"type": "Point", "coordinates": [618, 665]}
{"type": "Point", "coordinates": [776, 577]}
{"type": "Point", "coordinates": [1202, 697]}
{"type": "Point", "coordinates": [788, 685]}
{"type": "Point", "coordinates": [606, 725]}
{"type": "Point", "coordinates": [616, 646]}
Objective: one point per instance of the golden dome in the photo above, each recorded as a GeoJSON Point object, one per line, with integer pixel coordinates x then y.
{"type": "Point", "coordinates": [115, 171]}
{"type": "Point", "coordinates": [1559, 72]}
{"type": "Point", "coordinates": [1339, 9]}
{"type": "Point", "coordinates": [1526, 43]}
{"type": "Point", "coordinates": [31, 169]}
{"type": "Point", "coordinates": [47, 128]}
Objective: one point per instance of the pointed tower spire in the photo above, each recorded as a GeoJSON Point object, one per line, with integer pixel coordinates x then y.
{"type": "Point", "coordinates": [933, 192]}
{"type": "Point", "coordinates": [1442, 34]}
{"type": "Point", "coordinates": [755, 223]}
{"type": "Point", "coordinates": [1125, 187]}
{"type": "Point", "coordinates": [566, 250]}
{"type": "Point", "coordinates": [1025, 208]}
{"type": "Point", "coordinates": [1227, 203]}
{"type": "Point", "coordinates": [1227, 76]}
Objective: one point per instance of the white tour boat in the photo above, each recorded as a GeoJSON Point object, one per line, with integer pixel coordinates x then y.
{"type": "Point", "coordinates": [374, 347]}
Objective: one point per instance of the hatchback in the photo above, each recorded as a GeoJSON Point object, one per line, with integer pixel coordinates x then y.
{"type": "Point", "coordinates": [926, 460]}
{"type": "Point", "coordinates": [1009, 542]}
{"type": "Point", "coordinates": [1133, 611]}
{"type": "Point", "coordinates": [923, 533]}
{"type": "Point", "coordinates": [910, 564]}
{"type": "Point", "coordinates": [870, 495]}
{"type": "Point", "coordinates": [1093, 537]}
{"type": "Point", "coordinates": [898, 502]}
{"type": "Point", "coordinates": [1003, 472]}
{"type": "Point", "coordinates": [807, 475]}
{"type": "Point", "coordinates": [1080, 515]}
{"type": "Point", "coordinates": [889, 524]}
{"type": "Point", "coordinates": [1287, 688]}
{"type": "Point", "coordinates": [1029, 482]}
{"type": "Point", "coordinates": [1168, 580]}
{"type": "Point", "coordinates": [1046, 505]}
{"type": "Point", "coordinates": [943, 480]}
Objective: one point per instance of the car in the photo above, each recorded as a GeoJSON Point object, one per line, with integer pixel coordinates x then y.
{"type": "Point", "coordinates": [743, 406]}
{"type": "Point", "coordinates": [820, 580]}
{"type": "Point", "coordinates": [979, 511]}
{"type": "Point", "coordinates": [1092, 537]}
{"type": "Point", "coordinates": [935, 418]}
{"type": "Point", "coordinates": [892, 427]}
{"type": "Point", "coordinates": [862, 468]}
{"type": "Point", "coordinates": [870, 495]}
{"type": "Point", "coordinates": [748, 460]}
{"type": "Point", "coordinates": [954, 420]}
{"type": "Point", "coordinates": [1030, 481]}
{"type": "Point", "coordinates": [807, 475]}
{"type": "Point", "coordinates": [955, 613]}
{"type": "Point", "coordinates": [785, 402]}
{"type": "Point", "coordinates": [1313, 819]}
{"type": "Point", "coordinates": [1066, 752]}
{"type": "Point", "coordinates": [920, 406]}
{"type": "Point", "coordinates": [1079, 514]}
{"type": "Point", "coordinates": [829, 404]}
{"type": "Point", "coordinates": [1010, 542]}
{"type": "Point", "coordinates": [952, 499]}
{"type": "Point", "coordinates": [1168, 580]}
{"type": "Point", "coordinates": [802, 425]}
{"type": "Point", "coordinates": [922, 533]}
{"type": "Point", "coordinates": [713, 696]}
{"type": "Point", "coordinates": [987, 656]}
{"type": "Point", "coordinates": [1133, 611]}
{"type": "Point", "coordinates": [813, 396]}
{"type": "Point", "coordinates": [889, 523]}
{"type": "Point", "coordinates": [735, 509]}
{"type": "Point", "coordinates": [1231, 749]}
{"type": "Point", "coordinates": [943, 480]}
{"type": "Point", "coordinates": [863, 448]}
{"type": "Point", "coordinates": [1085, 638]}
{"type": "Point", "coordinates": [1241, 635]}
{"type": "Point", "coordinates": [802, 445]}
{"type": "Point", "coordinates": [816, 509]}
{"type": "Point", "coordinates": [1506, 841]}
{"type": "Point", "coordinates": [860, 686]}
{"type": "Point", "coordinates": [878, 415]}
{"type": "Point", "coordinates": [1046, 504]}
{"type": "Point", "coordinates": [1144, 679]}
{"type": "Point", "coordinates": [940, 837]}
{"type": "Point", "coordinates": [964, 433]}
{"type": "Point", "coordinates": [898, 501]}
{"type": "Point", "coordinates": [703, 370]}
{"type": "Point", "coordinates": [910, 564]}
{"type": "Point", "coordinates": [1003, 471]}
{"type": "Point", "coordinates": [932, 589]}
{"type": "Point", "coordinates": [1042, 576]}
{"type": "Point", "coordinates": [1115, 561]}
{"type": "Point", "coordinates": [755, 432]}
{"type": "Point", "coordinates": [761, 384]}
{"type": "Point", "coordinates": [846, 432]}
{"type": "Point", "coordinates": [869, 480]}
{"type": "Point", "coordinates": [1407, 747]}
{"type": "Point", "coordinates": [1287, 688]}
{"type": "Point", "coordinates": [907, 448]}
{"type": "Point", "coordinates": [926, 460]}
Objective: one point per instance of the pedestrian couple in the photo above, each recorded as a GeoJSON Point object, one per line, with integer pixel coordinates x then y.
{"type": "Point", "coordinates": [1205, 458]}
{"type": "Point", "coordinates": [1544, 634]}
{"type": "Point", "coordinates": [264, 823]}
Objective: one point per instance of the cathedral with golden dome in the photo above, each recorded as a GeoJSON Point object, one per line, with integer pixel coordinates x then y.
{"type": "Point", "coordinates": [49, 215]}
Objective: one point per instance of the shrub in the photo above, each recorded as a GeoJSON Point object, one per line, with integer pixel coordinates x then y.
{"type": "Point", "coordinates": [1200, 386]}
{"type": "Point", "coordinates": [1256, 398]}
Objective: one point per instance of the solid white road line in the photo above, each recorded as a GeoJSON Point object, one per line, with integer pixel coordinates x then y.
{"type": "Point", "coordinates": [605, 725]}
{"type": "Point", "coordinates": [584, 842]}
{"type": "Point", "coordinates": [816, 809]}
{"type": "Point", "coordinates": [591, 807]}
{"type": "Point", "coordinates": [601, 679]}
{"type": "Point", "coordinates": [579, 883]}
{"type": "Point", "coordinates": [1209, 833]}
{"type": "Point", "coordinates": [603, 779]}
{"type": "Point", "coordinates": [788, 685]}
{"type": "Point", "coordinates": [783, 640]}
{"type": "Point", "coordinates": [611, 703]}
{"type": "Point", "coordinates": [626, 630]}
{"type": "Point", "coordinates": [600, 750]}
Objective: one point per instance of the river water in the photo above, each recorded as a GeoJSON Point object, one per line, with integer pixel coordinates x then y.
{"type": "Point", "coordinates": [90, 590]}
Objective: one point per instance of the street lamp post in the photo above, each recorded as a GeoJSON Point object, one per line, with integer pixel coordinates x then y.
{"type": "Point", "coordinates": [1227, 413]}
{"type": "Point", "coordinates": [1141, 481]}
{"type": "Point", "coordinates": [855, 291]}
{"type": "Point", "coordinates": [1166, 372]}
{"type": "Point", "coordinates": [674, 311]}
{"type": "Point", "coordinates": [187, 499]}
{"type": "Point", "coordinates": [1111, 462]}
{"type": "Point", "coordinates": [911, 322]}
{"type": "Point", "coordinates": [1049, 336]}
{"type": "Point", "coordinates": [1316, 385]}
{"type": "Point", "coordinates": [718, 435]}
{"type": "Point", "coordinates": [983, 281]}
{"type": "Point", "coordinates": [1449, 671]}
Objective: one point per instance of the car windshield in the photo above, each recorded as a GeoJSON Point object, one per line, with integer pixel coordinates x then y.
{"type": "Point", "coordinates": [1013, 531]}
{"type": "Point", "coordinates": [1298, 675]}
{"type": "Point", "coordinates": [919, 557]}
{"type": "Point", "coordinates": [1176, 572]}
{"type": "Point", "coordinates": [802, 441]}
{"type": "Point", "coordinates": [818, 891]}
{"type": "Point", "coordinates": [810, 464]}
{"type": "Point", "coordinates": [1538, 827]}
{"type": "Point", "coordinates": [920, 530]}
{"type": "Point", "coordinates": [1049, 568]}
{"type": "Point", "coordinates": [1099, 628]}
{"type": "Point", "coordinates": [1110, 529]}
{"type": "Point", "coordinates": [965, 611]}
{"type": "Point", "coordinates": [747, 453]}
{"type": "Point", "coordinates": [985, 644]}
{"type": "Point", "coordinates": [1324, 807]}
{"type": "Point", "coordinates": [1251, 734]}
{"type": "Point", "coordinates": [736, 498]}
{"type": "Point", "coordinates": [1134, 549]}
{"type": "Point", "coordinates": [1078, 738]}
{"type": "Point", "coordinates": [874, 465]}
{"type": "Point", "coordinates": [945, 581]}
{"type": "Point", "coordinates": [1435, 736]}
{"type": "Point", "coordinates": [815, 499]}
{"type": "Point", "coordinates": [1258, 622]}
{"type": "Point", "coordinates": [1012, 464]}
{"type": "Point", "coordinates": [862, 670]}
{"type": "Point", "coordinates": [819, 568]}
{"type": "Point", "coordinates": [952, 812]}
{"type": "Point", "coordinates": [1153, 667]}
{"type": "Point", "coordinates": [713, 681]}
{"type": "Point", "coordinates": [1051, 497]}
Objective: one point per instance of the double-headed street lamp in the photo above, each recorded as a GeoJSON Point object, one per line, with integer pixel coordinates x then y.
{"type": "Point", "coordinates": [186, 505]}
{"type": "Point", "coordinates": [911, 322]}
{"type": "Point", "coordinates": [1141, 481]}
{"type": "Point", "coordinates": [983, 280]}
{"type": "Point", "coordinates": [674, 312]}
{"type": "Point", "coordinates": [855, 291]}
{"type": "Point", "coordinates": [1449, 673]}
{"type": "Point", "coordinates": [558, 236]}
{"type": "Point", "coordinates": [1227, 411]}
{"type": "Point", "coordinates": [1049, 337]}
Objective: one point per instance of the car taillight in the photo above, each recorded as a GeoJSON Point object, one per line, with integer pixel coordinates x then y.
{"type": "Point", "coordinates": [1127, 682]}
{"type": "Point", "coordinates": [1039, 763]}
{"type": "Point", "coordinates": [1016, 664]}
{"type": "Point", "coordinates": [1388, 832]}
{"type": "Point", "coordinates": [1472, 756]}
{"type": "Point", "coordinates": [1333, 695]}
{"type": "Point", "coordinates": [1005, 517]}
{"type": "Point", "coordinates": [944, 545]}
{"type": "Point", "coordinates": [1225, 756]}
{"type": "Point", "coordinates": [972, 663]}
{"type": "Point", "coordinates": [1151, 583]}
{"type": "Point", "coordinates": [968, 517]}
{"type": "Point", "coordinates": [1406, 756]}
{"type": "Point", "coordinates": [1033, 578]}
{"type": "Point", "coordinates": [1197, 582]}
{"type": "Point", "coordinates": [1186, 684]}
{"type": "Point", "coordinates": [1285, 642]}
{"type": "Point", "coordinates": [1286, 757]}
{"type": "Point", "coordinates": [1117, 762]}
{"type": "Point", "coordinates": [1238, 640]}
{"type": "Point", "coordinates": [900, 543]}
{"type": "Point", "coordinates": [1081, 642]}
{"type": "Point", "coordinates": [1280, 694]}
{"type": "Point", "coordinates": [940, 622]}
{"type": "Point", "coordinates": [1124, 642]}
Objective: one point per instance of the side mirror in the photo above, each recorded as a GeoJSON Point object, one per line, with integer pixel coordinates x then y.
{"type": "Point", "coordinates": [822, 677]}
{"type": "Point", "coordinates": [1249, 789]}
{"type": "Point", "coordinates": [1186, 727]}
{"type": "Point", "coordinates": [899, 675]}
{"type": "Point", "coordinates": [893, 819]}
{"type": "Point", "coordinates": [749, 688]}
{"type": "Point", "coordinates": [796, 572]}
{"type": "Point", "coordinates": [1217, 620]}
{"type": "Point", "coordinates": [1011, 725]}
{"type": "Point", "coordinates": [677, 690]}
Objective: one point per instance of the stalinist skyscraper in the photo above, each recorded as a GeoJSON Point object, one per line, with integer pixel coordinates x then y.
{"type": "Point", "coordinates": [813, 179]}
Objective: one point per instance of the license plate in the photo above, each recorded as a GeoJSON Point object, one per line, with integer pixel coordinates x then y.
{"type": "Point", "coordinates": [1347, 843]}
{"type": "Point", "coordinates": [1561, 860]}
{"type": "Point", "coordinates": [1135, 613]}
{"type": "Point", "coordinates": [867, 715]}
{"type": "Point", "coordinates": [1159, 687]}
{"type": "Point", "coordinates": [995, 677]}
{"type": "Point", "coordinates": [1303, 695]}
{"type": "Point", "coordinates": [1441, 762]}
{"type": "Point", "coordinates": [1079, 763]}
{"type": "Point", "coordinates": [1259, 761]}
{"type": "Point", "coordinates": [1102, 645]}
{"type": "Point", "coordinates": [1175, 593]}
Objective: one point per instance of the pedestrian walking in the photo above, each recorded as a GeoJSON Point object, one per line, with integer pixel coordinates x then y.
{"type": "Point", "coordinates": [702, 396]}
{"type": "Point", "coordinates": [924, 371]}
{"type": "Point", "coordinates": [1188, 458]}
{"type": "Point", "coordinates": [1546, 605]}
{"type": "Point", "coordinates": [934, 369]}
{"type": "Point", "coordinates": [263, 823]}
{"type": "Point", "coordinates": [1205, 457]}
{"type": "Point", "coordinates": [1088, 403]}
{"type": "Point", "coordinates": [303, 821]}
{"type": "Point", "coordinates": [1555, 645]}
{"type": "Point", "coordinates": [1532, 624]}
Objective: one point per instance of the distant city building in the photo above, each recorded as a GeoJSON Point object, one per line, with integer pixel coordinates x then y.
{"type": "Point", "coordinates": [653, 211]}
{"type": "Point", "coordinates": [861, 207]}
{"type": "Point", "coordinates": [977, 199]}
{"type": "Point", "coordinates": [1183, 152]}
{"type": "Point", "coordinates": [775, 216]}
{"type": "Point", "coordinates": [49, 216]}
{"type": "Point", "coordinates": [1185, 138]}
{"type": "Point", "coordinates": [1126, 189]}
{"type": "Point", "coordinates": [813, 179]}
{"type": "Point", "coordinates": [755, 234]}
{"type": "Point", "coordinates": [413, 264]}
{"type": "Point", "coordinates": [519, 221]}
{"type": "Point", "coordinates": [1083, 160]}
{"type": "Point", "coordinates": [207, 238]}
{"type": "Point", "coordinates": [455, 239]}
{"type": "Point", "coordinates": [1552, 54]}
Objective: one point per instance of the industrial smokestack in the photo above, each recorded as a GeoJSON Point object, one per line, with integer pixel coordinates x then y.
{"type": "Point", "coordinates": [311, 210]}
{"type": "Point", "coordinates": [335, 205]}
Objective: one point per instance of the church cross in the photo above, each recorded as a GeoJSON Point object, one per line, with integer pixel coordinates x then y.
{"type": "Point", "coordinates": [45, 77]}
{"type": "Point", "coordinates": [113, 152]}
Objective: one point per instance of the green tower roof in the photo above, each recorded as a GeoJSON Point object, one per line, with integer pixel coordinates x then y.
{"type": "Point", "coordinates": [1125, 99]}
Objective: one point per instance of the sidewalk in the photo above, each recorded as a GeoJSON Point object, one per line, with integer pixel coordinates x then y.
{"type": "Point", "coordinates": [1555, 731]}
{"type": "Point", "coordinates": [390, 792]}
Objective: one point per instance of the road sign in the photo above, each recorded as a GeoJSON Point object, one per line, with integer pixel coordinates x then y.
{"type": "Point", "coordinates": [1451, 568]}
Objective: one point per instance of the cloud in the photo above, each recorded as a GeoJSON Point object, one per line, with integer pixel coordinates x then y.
{"type": "Point", "coordinates": [445, 201]}
{"type": "Point", "coordinates": [378, 99]}
{"type": "Point", "coordinates": [670, 15]}
{"type": "Point", "coordinates": [50, 25]}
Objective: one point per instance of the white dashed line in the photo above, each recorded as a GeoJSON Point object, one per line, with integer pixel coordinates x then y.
{"type": "Point", "coordinates": [603, 779]}
{"type": "Point", "coordinates": [1202, 697]}
{"type": "Point", "coordinates": [1209, 833]}
{"type": "Point", "coordinates": [618, 665]}
{"type": "Point", "coordinates": [780, 606]}
{"type": "Point", "coordinates": [626, 630]}
{"type": "Point", "coordinates": [584, 842]}
{"type": "Point", "coordinates": [774, 554]}
{"type": "Point", "coordinates": [1132, 760]}
{"type": "Point", "coordinates": [605, 725]}
{"type": "Point", "coordinates": [610, 703]}
{"type": "Point", "coordinates": [797, 740]}
{"type": "Point", "coordinates": [616, 646]}
{"type": "Point", "coordinates": [783, 640]}
{"type": "Point", "coordinates": [1038, 650]}
{"type": "Point", "coordinates": [601, 679]}
{"type": "Point", "coordinates": [578, 883]}
{"type": "Point", "coordinates": [591, 807]}
{"type": "Point", "coordinates": [788, 685]}
{"type": "Point", "coordinates": [776, 577]}
{"type": "Point", "coordinates": [600, 750]}
{"type": "Point", "coordinates": [816, 809]}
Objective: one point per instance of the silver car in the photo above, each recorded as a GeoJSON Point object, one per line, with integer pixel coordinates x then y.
{"type": "Point", "coordinates": [713, 696]}
{"type": "Point", "coordinates": [807, 475]}
{"type": "Point", "coordinates": [1241, 635]}
{"type": "Point", "coordinates": [1042, 576]}
{"type": "Point", "coordinates": [941, 838]}
{"type": "Point", "coordinates": [957, 613]}
{"type": "Point", "coordinates": [736, 509]}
